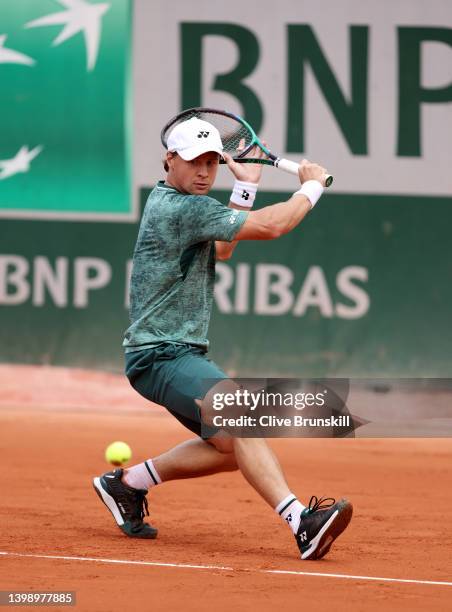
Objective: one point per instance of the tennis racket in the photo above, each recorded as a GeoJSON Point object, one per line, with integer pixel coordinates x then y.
{"type": "Point", "coordinates": [238, 138]}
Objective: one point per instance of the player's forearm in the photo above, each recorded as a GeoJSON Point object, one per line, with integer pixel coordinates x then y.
{"type": "Point", "coordinates": [285, 216]}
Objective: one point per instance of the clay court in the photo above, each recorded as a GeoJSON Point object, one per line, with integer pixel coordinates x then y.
{"type": "Point", "coordinates": [211, 551]}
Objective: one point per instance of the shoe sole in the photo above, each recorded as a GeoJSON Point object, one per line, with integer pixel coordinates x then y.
{"type": "Point", "coordinates": [321, 544]}
{"type": "Point", "coordinates": [107, 499]}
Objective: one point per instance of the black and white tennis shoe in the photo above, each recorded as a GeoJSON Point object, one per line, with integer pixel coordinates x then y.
{"type": "Point", "coordinates": [127, 505]}
{"type": "Point", "coordinates": [320, 524]}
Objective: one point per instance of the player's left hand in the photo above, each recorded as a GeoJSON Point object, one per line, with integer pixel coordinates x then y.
{"type": "Point", "coordinates": [250, 173]}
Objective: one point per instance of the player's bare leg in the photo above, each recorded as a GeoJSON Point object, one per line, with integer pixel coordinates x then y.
{"type": "Point", "coordinates": [197, 457]}
{"type": "Point", "coordinates": [261, 468]}
{"type": "Point", "coordinates": [252, 456]}
{"type": "Point", "coordinates": [192, 459]}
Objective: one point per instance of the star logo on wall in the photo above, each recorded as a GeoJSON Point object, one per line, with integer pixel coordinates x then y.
{"type": "Point", "coordinates": [9, 56]}
{"type": "Point", "coordinates": [80, 16]}
{"type": "Point", "coordinates": [19, 163]}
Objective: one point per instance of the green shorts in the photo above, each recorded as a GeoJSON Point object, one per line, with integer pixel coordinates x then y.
{"type": "Point", "coordinates": [174, 375]}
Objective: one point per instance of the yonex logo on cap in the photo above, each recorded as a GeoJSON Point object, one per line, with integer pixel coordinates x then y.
{"type": "Point", "coordinates": [203, 134]}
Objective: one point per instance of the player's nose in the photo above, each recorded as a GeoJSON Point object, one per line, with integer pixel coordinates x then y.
{"type": "Point", "coordinates": [203, 170]}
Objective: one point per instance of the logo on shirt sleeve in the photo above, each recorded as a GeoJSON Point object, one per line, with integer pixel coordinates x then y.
{"type": "Point", "coordinates": [233, 217]}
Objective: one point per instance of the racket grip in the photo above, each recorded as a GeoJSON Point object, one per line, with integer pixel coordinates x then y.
{"type": "Point", "coordinates": [292, 168]}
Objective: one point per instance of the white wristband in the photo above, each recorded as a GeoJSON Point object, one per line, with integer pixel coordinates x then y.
{"type": "Point", "coordinates": [312, 190]}
{"type": "Point", "coordinates": [243, 193]}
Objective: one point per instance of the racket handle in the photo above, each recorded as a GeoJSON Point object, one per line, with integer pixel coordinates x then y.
{"type": "Point", "coordinates": [292, 168]}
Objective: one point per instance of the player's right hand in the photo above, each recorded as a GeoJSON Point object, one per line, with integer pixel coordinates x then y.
{"type": "Point", "coordinates": [246, 172]}
{"type": "Point", "coordinates": [309, 171]}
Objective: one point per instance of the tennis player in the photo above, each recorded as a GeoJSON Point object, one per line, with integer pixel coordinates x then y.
{"type": "Point", "coordinates": [182, 232]}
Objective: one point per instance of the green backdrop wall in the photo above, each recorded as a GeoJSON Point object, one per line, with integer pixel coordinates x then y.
{"type": "Point", "coordinates": [362, 287]}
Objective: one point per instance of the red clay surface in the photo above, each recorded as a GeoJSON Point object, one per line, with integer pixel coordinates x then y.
{"type": "Point", "coordinates": [54, 427]}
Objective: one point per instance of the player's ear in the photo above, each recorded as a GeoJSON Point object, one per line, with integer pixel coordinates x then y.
{"type": "Point", "coordinates": [168, 161]}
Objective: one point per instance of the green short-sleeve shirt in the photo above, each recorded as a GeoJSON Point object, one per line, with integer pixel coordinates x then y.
{"type": "Point", "coordinates": [171, 290]}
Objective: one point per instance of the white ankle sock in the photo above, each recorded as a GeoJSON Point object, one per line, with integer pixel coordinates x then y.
{"type": "Point", "coordinates": [290, 509]}
{"type": "Point", "coordinates": [142, 476]}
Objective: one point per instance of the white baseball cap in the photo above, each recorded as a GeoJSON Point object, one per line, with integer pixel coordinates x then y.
{"type": "Point", "coordinates": [194, 137]}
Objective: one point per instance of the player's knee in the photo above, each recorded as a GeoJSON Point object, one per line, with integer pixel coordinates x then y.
{"type": "Point", "coordinates": [223, 445]}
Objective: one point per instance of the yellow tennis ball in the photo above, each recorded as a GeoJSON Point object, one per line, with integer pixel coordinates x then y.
{"type": "Point", "coordinates": [118, 453]}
